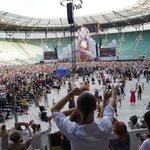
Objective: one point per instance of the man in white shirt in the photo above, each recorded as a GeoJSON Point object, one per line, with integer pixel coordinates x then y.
{"type": "Point", "coordinates": [90, 134]}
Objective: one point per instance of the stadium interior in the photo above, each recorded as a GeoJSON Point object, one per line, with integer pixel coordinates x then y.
{"type": "Point", "coordinates": [126, 30]}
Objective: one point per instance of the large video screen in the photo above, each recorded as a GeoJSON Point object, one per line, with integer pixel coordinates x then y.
{"type": "Point", "coordinates": [108, 53]}
{"type": "Point", "coordinates": [50, 55]}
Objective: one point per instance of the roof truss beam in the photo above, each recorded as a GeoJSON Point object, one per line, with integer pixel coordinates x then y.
{"type": "Point", "coordinates": [3, 15]}
{"type": "Point", "coordinates": [24, 24]}
{"type": "Point", "coordinates": [48, 24]}
{"type": "Point", "coordinates": [32, 29]}
{"type": "Point", "coordinates": [94, 20]}
{"type": "Point", "coordinates": [9, 23]}
{"type": "Point", "coordinates": [108, 19]}
{"type": "Point", "coordinates": [86, 19]}
{"type": "Point", "coordinates": [132, 13]}
{"type": "Point", "coordinates": [34, 26]}
{"type": "Point", "coordinates": [122, 17]}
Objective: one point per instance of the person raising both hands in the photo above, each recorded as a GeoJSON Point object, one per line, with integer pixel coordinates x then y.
{"type": "Point", "coordinates": [15, 142]}
{"type": "Point", "coordinates": [89, 134]}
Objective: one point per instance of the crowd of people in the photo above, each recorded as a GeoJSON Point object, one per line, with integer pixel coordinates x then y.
{"type": "Point", "coordinates": [81, 129]}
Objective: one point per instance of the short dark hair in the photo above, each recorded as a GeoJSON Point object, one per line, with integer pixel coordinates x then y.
{"type": "Point", "coordinates": [15, 136]}
{"type": "Point", "coordinates": [38, 127]}
{"type": "Point", "coordinates": [33, 126]}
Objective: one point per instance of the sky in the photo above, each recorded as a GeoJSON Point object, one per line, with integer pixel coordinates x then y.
{"type": "Point", "coordinates": [53, 9]}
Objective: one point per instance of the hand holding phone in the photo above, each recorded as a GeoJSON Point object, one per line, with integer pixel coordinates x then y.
{"type": "Point", "coordinates": [21, 123]}
{"type": "Point", "coordinates": [140, 137]}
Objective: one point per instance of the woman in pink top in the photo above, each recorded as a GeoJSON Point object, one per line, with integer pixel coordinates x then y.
{"type": "Point", "coordinates": [132, 96]}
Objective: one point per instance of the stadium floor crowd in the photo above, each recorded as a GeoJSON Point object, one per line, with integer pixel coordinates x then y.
{"type": "Point", "coordinates": [124, 112]}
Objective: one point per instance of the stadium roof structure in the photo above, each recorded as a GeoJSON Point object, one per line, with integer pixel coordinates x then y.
{"type": "Point", "coordinates": [135, 15]}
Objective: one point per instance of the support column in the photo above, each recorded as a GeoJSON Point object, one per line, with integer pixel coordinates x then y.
{"type": "Point", "coordinates": [72, 36]}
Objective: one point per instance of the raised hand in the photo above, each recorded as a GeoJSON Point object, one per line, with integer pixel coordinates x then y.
{"type": "Point", "coordinates": [115, 90]}
{"type": "Point", "coordinates": [77, 91]}
{"type": "Point", "coordinates": [107, 95]}
{"type": "Point", "coordinates": [60, 104]}
{"type": "Point", "coordinates": [26, 125]}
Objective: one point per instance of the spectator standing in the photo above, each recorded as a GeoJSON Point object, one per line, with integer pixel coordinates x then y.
{"type": "Point", "coordinates": [93, 80]}
{"type": "Point", "coordinates": [23, 131]}
{"type": "Point", "coordinates": [143, 86]}
{"type": "Point", "coordinates": [88, 85]}
{"type": "Point", "coordinates": [147, 78]}
{"type": "Point", "coordinates": [99, 80]}
{"type": "Point", "coordinates": [37, 98]}
{"type": "Point", "coordinates": [46, 98]}
{"type": "Point", "coordinates": [136, 85]}
{"type": "Point", "coordinates": [58, 84]}
{"type": "Point", "coordinates": [4, 137]}
{"type": "Point", "coordinates": [98, 132]}
{"type": "Point", "coordinates": [14, 140]}
{"type": "Point", "coordinates": [114, 77]}
{"type": "Point", "coordinates": [138, 77]}
{"type": "Point", "coordinates": [122, 91]}
{"type": "Point", "coordinates": [96, 93]}
{"type": "Point", "coordinates": [37, 142]}
{"type": "Point", "coordinates": [119, 98]}
{"type": "Point", "coordinates": [132, 96]}
{"type": "Point", "coordinates": [25, 105]}
{"type": "Point", "coordinates": [139, 92]}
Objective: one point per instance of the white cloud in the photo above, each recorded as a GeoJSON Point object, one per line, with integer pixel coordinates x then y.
{"type": "Point", "coordinates": [52, 8]}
